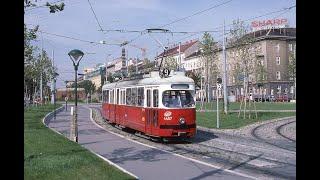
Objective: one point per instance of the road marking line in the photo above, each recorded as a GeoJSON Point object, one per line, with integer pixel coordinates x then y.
{"type": "Point", "coordinates": [191, 159]}
{"type": "Point", "coordinates": [260, 163]}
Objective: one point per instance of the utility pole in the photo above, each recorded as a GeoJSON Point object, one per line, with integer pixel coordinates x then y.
{"type": "Point", "coordinates": [127, 61]}
{"type": "Point", "coordinates": [41, 76]}
{"type": "Point", "coordinates": [52, 81]}
{"type": "Point", "coordinates": [137, 66]}
{"type": "Point", "coordinates": [225, 100]}
{"type": "Point", "coordinates": [207, 80]}
{"type": "Point", "coordinates": [179, 56]}
{"type": "Point", "coordinates": [218, 122]}
{"type": "Point", "coordinates": [218, 85]}
{"type": "Point", "coordinates": [41, 59]}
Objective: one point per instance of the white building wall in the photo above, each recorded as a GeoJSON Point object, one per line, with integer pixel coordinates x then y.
{"type": "Point", "coordinates": [118, 66]}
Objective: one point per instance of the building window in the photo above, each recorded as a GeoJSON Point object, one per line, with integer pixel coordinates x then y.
{"type": "Point", "coordinates": [278, 60]}
{"type": "Point", "coordinates": [278, 75]}
{"type": "Point", "coordinates": [278, 48]}
{"type": "Point", "coordinates": [278, 89]}
{"type": "Point", "coordinates": [291, 89]}
{"type": "Point", "coordinates": [290, 47]}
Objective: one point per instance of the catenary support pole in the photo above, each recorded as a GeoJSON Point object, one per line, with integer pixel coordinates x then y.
{"type": "Point", "coordinates": [225, 95]}
{"type": "Point", "coordinates": [218, 122]}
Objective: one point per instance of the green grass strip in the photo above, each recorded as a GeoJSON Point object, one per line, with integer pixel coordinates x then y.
{"type": "Point", "coordinates": [231, 121]}
{"type": "Point", "coordinates": [259, 105]}
{"type": "Point", "coordinates": [48, 155]}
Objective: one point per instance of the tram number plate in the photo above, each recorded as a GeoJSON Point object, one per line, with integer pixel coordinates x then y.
{"type": "Point", "coordinates": [166, 72]}
{"type": "Point", "coordinates": [182, 133]}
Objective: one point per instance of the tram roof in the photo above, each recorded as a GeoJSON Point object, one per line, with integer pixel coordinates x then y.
{"type": "Point", "coordinates": [177, 78]}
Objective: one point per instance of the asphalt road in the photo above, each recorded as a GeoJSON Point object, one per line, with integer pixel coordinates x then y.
{"type": "Point", "coordinates": [143, 161]}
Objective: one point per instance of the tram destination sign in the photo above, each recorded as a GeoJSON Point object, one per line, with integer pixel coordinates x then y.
{"type": "Point", "coordinates": [269, 23]}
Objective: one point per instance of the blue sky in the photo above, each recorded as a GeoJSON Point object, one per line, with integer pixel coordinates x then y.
{"type": "Point", "coordinates": [77, 21]}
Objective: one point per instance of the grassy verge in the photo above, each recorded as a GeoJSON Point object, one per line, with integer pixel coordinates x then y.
{"type": "Point", "coordinates": [259, 105]}
{"type": "Point", "coordinates": [231, 121]}
{"type": "Point", "coordinates": [48, 155]}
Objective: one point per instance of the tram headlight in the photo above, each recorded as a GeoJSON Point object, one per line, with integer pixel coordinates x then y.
{"type": "Point", "coordinates": [182, 120]}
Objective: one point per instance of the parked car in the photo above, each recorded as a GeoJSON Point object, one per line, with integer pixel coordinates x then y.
{"type": "Point", "coordinates": [270, 98]}
{"type": "Point", "coordinates": [283, 98]}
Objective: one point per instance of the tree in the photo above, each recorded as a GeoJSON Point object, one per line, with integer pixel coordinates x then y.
{"type": "Point", "coordinates": [110, 78]}
{"type": "Point", "coordinates": [208, 47]}
{"type": "Point", "coordinates": [260, 75]}
{"type": "Point", "coordinates": [35, 64]}
{"type": "Point", "coordinates": [89, 87]}
{"type": "Point", "coordinates": [242, 42]}
{"type": "Point", "coordinates": [292, 71]}
{"type": "Point", "coordinates": [196, 76]}
{"type": "Point", "coordinates": [52, 7]}
{"type": "Point", "coordinates": [148, 66]}
{"type": "Point", "coordinates": [170, 63]}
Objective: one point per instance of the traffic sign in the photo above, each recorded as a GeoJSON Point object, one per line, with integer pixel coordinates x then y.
{"type": "Point", "coordinates": [219, 80]}
{"type": "Point", "coordinates": [66, 98]}
{"type": "Point", "coordinates": [219, 86]}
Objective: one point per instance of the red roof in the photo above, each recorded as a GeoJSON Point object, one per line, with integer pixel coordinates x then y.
{"type": "Point", "coordinates": [175, 50]}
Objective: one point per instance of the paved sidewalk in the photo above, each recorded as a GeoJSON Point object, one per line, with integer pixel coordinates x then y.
{"type": "Point", "coordinates": [144, 162]}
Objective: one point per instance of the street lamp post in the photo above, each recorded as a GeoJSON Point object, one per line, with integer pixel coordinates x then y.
{"type": "Point", "coordinates": [54, 93]}
{"type": "Point", "coordinates": [75, 56]}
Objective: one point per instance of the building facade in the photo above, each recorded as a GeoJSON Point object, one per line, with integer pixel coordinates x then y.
{"type": "Point", "coordinates": [96, 75]}
{"type": "Point", "coordinates": [186, 49]}
{"type": "Point", "coordinates": [270, 54]}
{"type": "Point", "coordinates": [69, 92]}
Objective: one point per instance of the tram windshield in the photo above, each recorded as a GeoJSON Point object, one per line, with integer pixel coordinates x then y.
{"type": "Point", "coordinates": [177, 99]}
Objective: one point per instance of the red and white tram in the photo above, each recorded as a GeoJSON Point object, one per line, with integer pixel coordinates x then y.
{"type": "Point", "coordinates": [154, 106]}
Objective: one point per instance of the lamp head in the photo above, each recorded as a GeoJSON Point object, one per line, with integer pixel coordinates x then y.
{"type": "Point", "coordinates": [76, 55]}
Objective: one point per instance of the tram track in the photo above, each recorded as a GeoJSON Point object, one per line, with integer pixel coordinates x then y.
{"type": "Point", "coordinates": [177, 144]}
{"type": "Point", "coordinates": [281, 134]}
{"type": "Point", "coordinates": [254, 133]}
{"type": "Point", "coordinates": [230, 158]}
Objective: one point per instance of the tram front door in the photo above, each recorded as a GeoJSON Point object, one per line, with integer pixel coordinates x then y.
{"type": "Point", "coordinates": [151, 111]}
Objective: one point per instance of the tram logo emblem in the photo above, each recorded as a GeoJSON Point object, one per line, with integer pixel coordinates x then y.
{"type": "Point", "coordinates": [167, 115]}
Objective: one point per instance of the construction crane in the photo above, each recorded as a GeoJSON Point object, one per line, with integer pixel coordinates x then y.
{"type": "Point", "coordinates": [143, 50]}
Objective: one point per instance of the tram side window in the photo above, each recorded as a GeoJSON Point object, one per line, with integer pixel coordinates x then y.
{"type": "Point", "coordinates": [111, 97]}
{"type": "Point", "coordinates": [103, 96]}
{"type": "Point", "coordinates": [106, 97]}
{"type": "Point", "coordinates": [148, 98]}
{"type": "Point", "coordinates": [134, 96]}
{"type": "Point", "coordinates": [117, 96]}
{"type": "Point", "coordinates": [128, 96]}
{"type": "Point", "coordinates": [140, 96]}
{"type": "Point", "coordinates": [123, 97]}
{"type": "Point", "coordinates": [155, 98]}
